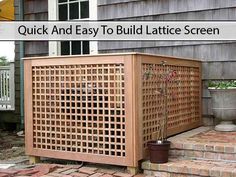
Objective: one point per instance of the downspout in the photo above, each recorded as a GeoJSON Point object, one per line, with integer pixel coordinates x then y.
{"type": "Point", "coordinates": [21, 45]}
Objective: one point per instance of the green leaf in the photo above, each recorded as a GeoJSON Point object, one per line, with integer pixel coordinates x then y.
{"type": "Point", "coordinates": [222, 84]}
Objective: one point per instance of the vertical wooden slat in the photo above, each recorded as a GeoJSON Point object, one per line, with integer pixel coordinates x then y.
{"type": "Point", "coordinates": [28, 107]}
{"type": "Point", "coordinates": [200, 94]}
{"type": "Point", "coordinates": [129, 107]}
{"type": "Point", "coordinates": [138, 131]}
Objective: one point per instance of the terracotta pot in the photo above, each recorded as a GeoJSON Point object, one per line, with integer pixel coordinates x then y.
{"type": "Point", "coordinates": [159, 153]}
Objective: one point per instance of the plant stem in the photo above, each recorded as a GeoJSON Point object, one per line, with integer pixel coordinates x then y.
{"type": "Point", "coordinates": [166, 113]}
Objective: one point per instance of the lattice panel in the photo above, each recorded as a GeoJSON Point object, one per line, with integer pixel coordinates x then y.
{"type": "Point", "coordinates": [79, 108]}
{"type": "Point", "coordinates": [183, 98]}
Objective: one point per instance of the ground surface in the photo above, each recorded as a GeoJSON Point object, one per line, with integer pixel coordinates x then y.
{"type": "Point", "coordinates": [203, 139]}
{"type": "Point", "coordinates": [11, 145]}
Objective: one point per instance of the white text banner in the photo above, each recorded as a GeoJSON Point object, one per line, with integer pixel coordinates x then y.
{"type": "Point", "coordinates": [116, 30]}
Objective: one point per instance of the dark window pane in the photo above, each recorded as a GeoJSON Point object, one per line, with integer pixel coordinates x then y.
{"type": "Point", "coordinates": [60, 1]}
{"type": "Point", "coordinates": [76, 47]}
{"type": "Point", "coordinates": [65, 48]}
{"type": "Point", "coordinates": [84, 8]}
{"type": "Point", "coordinates": [74, 11]}
{"type": "Point", "coordinates": [86, 47]}
{"type": "Point", "coordinates": [63, 12]}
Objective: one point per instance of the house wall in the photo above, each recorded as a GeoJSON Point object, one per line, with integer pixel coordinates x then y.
{"type": "Point", "coordinates": [33, 10]}
{"type": "Point", "coordinates": [211, 52]}
{"type": "Point", "coordinates": [36, 10]}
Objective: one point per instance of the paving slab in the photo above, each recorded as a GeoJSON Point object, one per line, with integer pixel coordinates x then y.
{"type": "Point", "coordinates": [67, 172]}
{"type": "Point", "coordinates": [87, 170]}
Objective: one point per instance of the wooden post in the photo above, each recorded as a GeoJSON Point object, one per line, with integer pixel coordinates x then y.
{"type": "Point", "coordinates": [133, 170]}
{"type": "Point", "coordinates": [34, 159]}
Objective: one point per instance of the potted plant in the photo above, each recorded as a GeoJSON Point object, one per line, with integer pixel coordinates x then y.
{"type": "Point", "coordinates": [223, 95]}
{"type": "Point", "coordinates": [159, 148]}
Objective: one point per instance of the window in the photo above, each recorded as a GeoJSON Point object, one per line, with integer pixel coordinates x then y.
{"type": "Point", "coordinates": [75, 47]}
{"type": "Point", "coordinates": [64, 10]}
{"type": "Point", "coordinates": [73, 10]}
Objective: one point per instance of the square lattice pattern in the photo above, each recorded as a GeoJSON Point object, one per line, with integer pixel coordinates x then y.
{"type": "Point", "coordinates": [79, 108]}
{"type": "Point", "coordinates": [183, 98]}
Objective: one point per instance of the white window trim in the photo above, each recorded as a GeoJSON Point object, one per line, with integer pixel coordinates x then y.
{"type": "Point", "coordinates": [93, 11]}
{"type": "Point", "coordinates": [52, 15]}
{"type": "Point", "coordinates": [54, 47]}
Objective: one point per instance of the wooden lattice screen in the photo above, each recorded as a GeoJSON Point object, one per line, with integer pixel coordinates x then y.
{"type": "Point", "coordinates": [183, 99]}
{"type": "Point", "coordinates": [101, 109]}
{"type": "Point", "coordinates": [79, 108]}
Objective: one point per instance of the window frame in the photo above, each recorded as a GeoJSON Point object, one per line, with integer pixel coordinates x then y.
{"type": "Point", "coordinates": [53, 9]}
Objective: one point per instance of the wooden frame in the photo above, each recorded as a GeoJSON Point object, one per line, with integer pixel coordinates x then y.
{"type": "Point", "coordinates": [100, 109]}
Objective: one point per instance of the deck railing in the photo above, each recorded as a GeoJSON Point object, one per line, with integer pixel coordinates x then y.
{"type": "Point", "coordinates": [7, 88]}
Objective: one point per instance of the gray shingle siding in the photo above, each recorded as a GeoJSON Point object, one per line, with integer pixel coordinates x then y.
{"type": "Point", "coordinates": [211, 52]}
